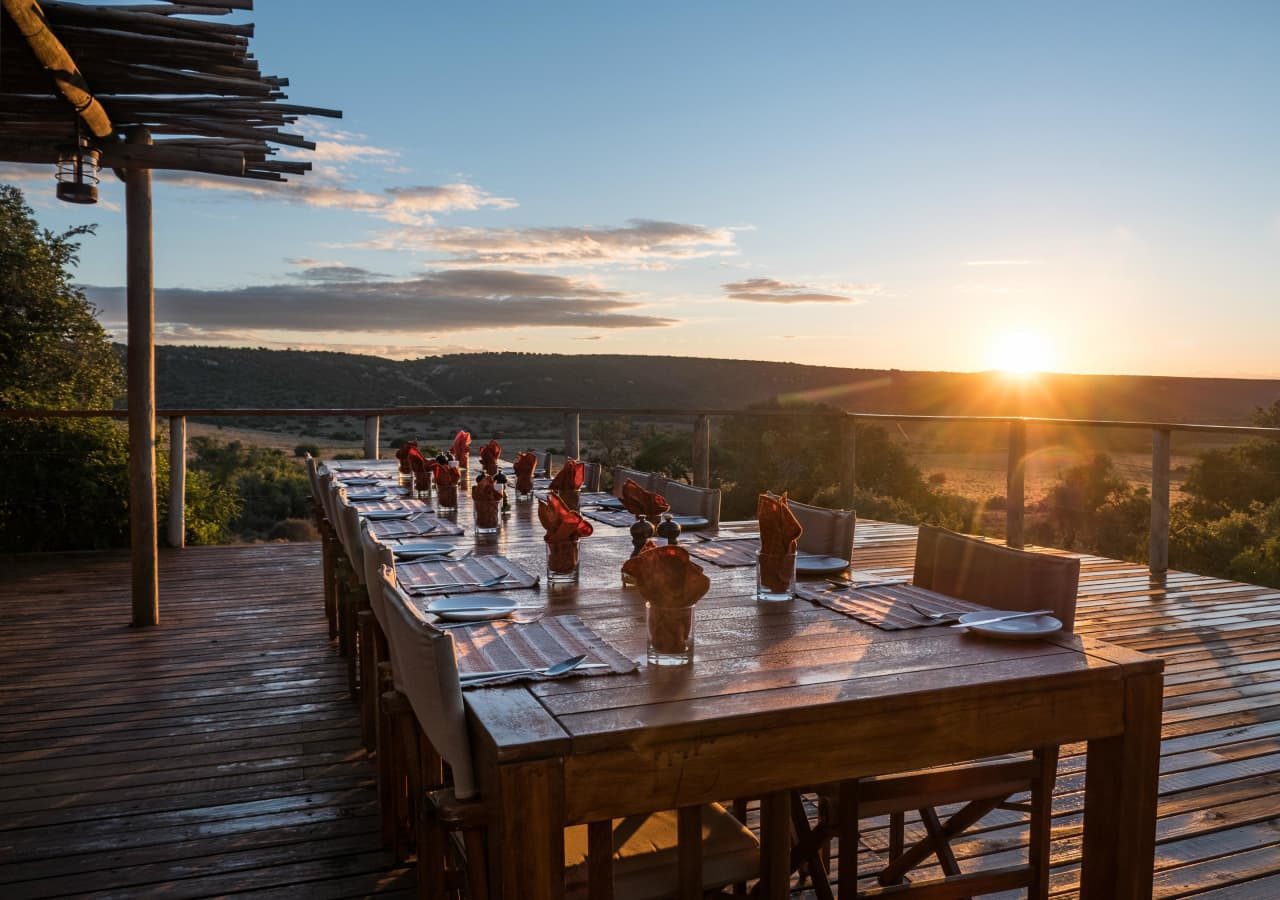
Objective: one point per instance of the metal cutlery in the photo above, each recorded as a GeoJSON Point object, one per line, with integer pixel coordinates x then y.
{"type": "Point", "coordinates": [560, 668]}
{"type": "Point", "coordinates": [1004, 618]}
{"type": "Point", "coordinates": [933, 616]}
{"type": "Point", "coordinates": [436, 588]}
{"type": "Point", "coordinates": [846, 585]}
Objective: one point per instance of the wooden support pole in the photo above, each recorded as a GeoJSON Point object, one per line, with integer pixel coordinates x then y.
{"type": "Point", "coordinates": [1158, 552]}
{"type": "Point", "coordinates": [572, 445]}
{"type": "Point", "coordinates": [702, 451]}
{"type": "Point", "coordinates": [177, 481]}
{"type": "Point", "coordinates": [1015, 497]}
{"type": "Point", "coordinates": [140, 293]}
{"type": "Point", "coordinates": [848, 458]}
{"type": "Point", "coordinates": [372, 425]}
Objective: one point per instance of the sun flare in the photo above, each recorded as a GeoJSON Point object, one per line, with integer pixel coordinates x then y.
{"type": "Point", "coordinates": [1020, 353]}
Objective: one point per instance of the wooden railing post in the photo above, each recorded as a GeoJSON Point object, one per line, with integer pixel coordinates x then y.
{"type": "Point", "coordinates": [848, 457]}
{"type": "Point", "coordinates": [1158, 552]}
{"type": "Point", "coordinates": [702, 451]}
{"type": "Point", "coordinates": [572, 443]}
{"type": "Point", "coordinates": [177, 481]}
{"type": "Point", "coordinates": [372, 425]}
{"type": "Point", "coordinates": [1015, 496]}
{"type": "Point", "coordinates": [141, 371]}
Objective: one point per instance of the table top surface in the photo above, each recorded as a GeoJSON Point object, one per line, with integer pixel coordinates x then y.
{"type": "Point", "coordinates": [755, 664]}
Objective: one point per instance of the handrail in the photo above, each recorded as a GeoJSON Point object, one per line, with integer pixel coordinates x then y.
{"type": "Point", "coordinates": [1015, 499]}
{"type": "Point", "coordinates": [225, 412]}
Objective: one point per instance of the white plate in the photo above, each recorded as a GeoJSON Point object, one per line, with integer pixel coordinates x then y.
{"type": "Point", "coordinates": [410, 549]}
{"type": "Point", "coordinates": [456, 608]}
{"type": "Point", "coordinates": [691, 522]}
{"type": "Point", "coordinates": [810, 564]}
{"type": "Point", "coordinates": [1027, 628]}
{"type": "Point", "coordinates": [385, 513]}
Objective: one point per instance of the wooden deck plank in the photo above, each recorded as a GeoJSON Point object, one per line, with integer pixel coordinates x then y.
{"type": "Point", "coordinates": [219, 754]}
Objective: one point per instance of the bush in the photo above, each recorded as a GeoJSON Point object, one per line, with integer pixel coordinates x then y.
{"type": "Point", "coordinates": [303, 449]}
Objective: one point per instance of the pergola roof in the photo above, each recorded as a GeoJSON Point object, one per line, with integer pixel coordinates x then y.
{"type": "Point", "coordinates": [168, 66]}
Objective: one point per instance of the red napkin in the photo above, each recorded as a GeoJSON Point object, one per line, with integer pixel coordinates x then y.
{"type": "Point", "coordinates": [640, 502]}
{"type": "Point", "coordinates": [447, 478]}
{"type": "Point", "coordinates": [486, 496]}
{"type": "Point", "coordinates": [564, 527]}
{"type": "Point", "coordinates": [420, 468]}
{"type": "Point", "coordinates": [462, 448]}
{"type": "Point", "coordinates": [667, 577]}
{"type": "Point", "coordinates": [489, 454]}
{"type": "Point", "coordinates": [779, 536]}
{"type": "Point", "coordinates": [402, 454]}
{"type": "Point", "coordinates": [570, 476]}
{"type": "Point", "coordinates": [524, 465]}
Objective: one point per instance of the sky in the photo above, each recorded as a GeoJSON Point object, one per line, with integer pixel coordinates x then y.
{"type": "Point", "coordinates": [1074, 187]}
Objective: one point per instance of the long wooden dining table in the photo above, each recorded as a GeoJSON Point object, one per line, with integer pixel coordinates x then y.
{"type": "Point", "coordinates": [783, 695]}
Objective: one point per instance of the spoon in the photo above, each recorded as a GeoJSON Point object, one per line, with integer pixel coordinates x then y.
{"type": "Point", "coordinates": [560, 668]}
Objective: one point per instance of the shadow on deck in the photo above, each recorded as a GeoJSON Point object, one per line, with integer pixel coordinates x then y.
{"type": "Point", "coordinates": [219, 754]}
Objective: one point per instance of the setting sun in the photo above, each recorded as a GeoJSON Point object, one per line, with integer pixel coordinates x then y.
{"type": "Point", "coordinates": [1019, 353]}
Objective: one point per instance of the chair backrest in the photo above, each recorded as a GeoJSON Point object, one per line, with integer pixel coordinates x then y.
{"type": "Point", "coordinates": [313, 478]}
{"type": "Point", "coordinates": [426, 672]}
{"type": "Point", "coordinates": [545, 462]}
{"type": "Point", "coordinates": [621, 474]}
{"type": "Point", "coordinates": [1002, 577]}
{"type": "Point", "coordinates": [375, 555]}
{"type": "Point", "coordinates": [591, 472]}
{"type": "Point", "coordinates": [328, 485]}
{"type": "Point", "coordinates": [926, 549]}
{"type": "Point", "coordinates": [349, 534]}
{"type": "Point", "coordinates": [687, 500]}
{"type": "Point", "coordinates": [828, 532]}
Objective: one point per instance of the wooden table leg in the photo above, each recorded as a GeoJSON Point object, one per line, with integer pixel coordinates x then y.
{"type": "Point", "coordinates": [530, 830]}
{"type": "Point", "coordinates": [1121, 789]}
{"type": "Point", "coordinates": [775, 845]}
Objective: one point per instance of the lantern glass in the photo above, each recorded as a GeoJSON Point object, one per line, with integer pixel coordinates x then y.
{"type": "Point", "coordinates": [78, 173]}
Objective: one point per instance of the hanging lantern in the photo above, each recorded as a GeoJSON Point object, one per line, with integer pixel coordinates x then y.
{"type": "Point", "coordinates": [78, 171]}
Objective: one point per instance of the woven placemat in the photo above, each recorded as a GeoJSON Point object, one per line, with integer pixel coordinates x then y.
{"type": "Point", "coordinates": [886, 606]}
{"type": "Point", "coordinates": [725, 551]}
{"type": "Point", "coordinates": [421, 525]}
{"type": "Point", "coordinates": [497, 646]}
{"type": "Point", "coordinates": [465, 575]}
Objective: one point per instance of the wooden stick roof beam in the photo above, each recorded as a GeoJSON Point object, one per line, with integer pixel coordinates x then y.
{"type": "Point", "coordinates": [29, 18]}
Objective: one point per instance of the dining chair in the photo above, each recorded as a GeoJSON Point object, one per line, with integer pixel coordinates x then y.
{"type": "Point", "coordinates": [621, 474]}
{"type": "Point", "coordinates": [635, 858]}
{"type": "Point", "coordinates": [687, 500]}
{"type": "Point", "coordinates": [370, 634]}
{"type": "Point", "coordinates": [353, 593]}
{"type": "Point", "coordinates": [994, 575]}
{"type": "Point", "coordinates": [591, 475]}
{"type": "Point", "coordinates": [324, 529]}
{"type": "Point", "coordinates": [342, 574]}
{"type": "Point", "coordinates": [827, 532]}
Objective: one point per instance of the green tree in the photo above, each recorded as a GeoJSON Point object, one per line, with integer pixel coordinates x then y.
{"type": "Point", "coordinates": [53, 352]}
{"type": "Point", "coordinates": [63, 482]}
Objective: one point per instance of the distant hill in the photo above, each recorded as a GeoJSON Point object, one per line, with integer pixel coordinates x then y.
{"type": "Point", "coordinates": [225, 377]}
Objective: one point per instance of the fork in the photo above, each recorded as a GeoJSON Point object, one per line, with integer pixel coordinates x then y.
{"type": "Point", "coordinates": [933, 616]}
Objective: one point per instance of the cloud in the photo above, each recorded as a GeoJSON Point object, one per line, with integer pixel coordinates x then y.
{"type": "Point", "coordinates": [1002, 262]}
{"type": "Point", "coordinates": [335, 273]}
{"type": "Point", "coordinates": [771, 290]}
{"type": "Point", "coordinates": [446, 301]}
{"type": "Point", "coordinates": [641, 242]}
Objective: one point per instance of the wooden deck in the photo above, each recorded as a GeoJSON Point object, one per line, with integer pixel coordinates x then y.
{"type": "Point", "coordinates": [219, 754]}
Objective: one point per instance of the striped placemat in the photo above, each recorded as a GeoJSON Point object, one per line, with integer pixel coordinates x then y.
{"type": "Point", "coordinates": [465, 575]}
{"type": "Point", "coordinates": [725, 551]}
{"type": "Point", "coordinates": [497, 646]}
{"type": "Point", "coordinates": [392, 504]}
{"type": "Point", "coordinates": [886, 606]}
{"type": "Point", "coordinates": [420, 525]}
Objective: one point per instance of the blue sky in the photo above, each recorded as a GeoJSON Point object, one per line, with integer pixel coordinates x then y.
{"type": "Point", "coordinates": [946, 185]}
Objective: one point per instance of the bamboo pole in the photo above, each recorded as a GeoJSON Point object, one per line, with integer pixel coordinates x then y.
{"type": "Point", "coordinates": [29, 18]}
{"type": "Point", "coordinates": [1158, 548]}
{"type": "Point", "coordinates": [140, 293]}
{"type": "Point", "coordinates": [177, 481]}
{"type": "Point", "coordinates": [1015, 498]}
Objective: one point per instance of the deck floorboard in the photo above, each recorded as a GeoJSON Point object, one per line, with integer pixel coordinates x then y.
{"type": "Point", "coordinates": [219, 754]}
